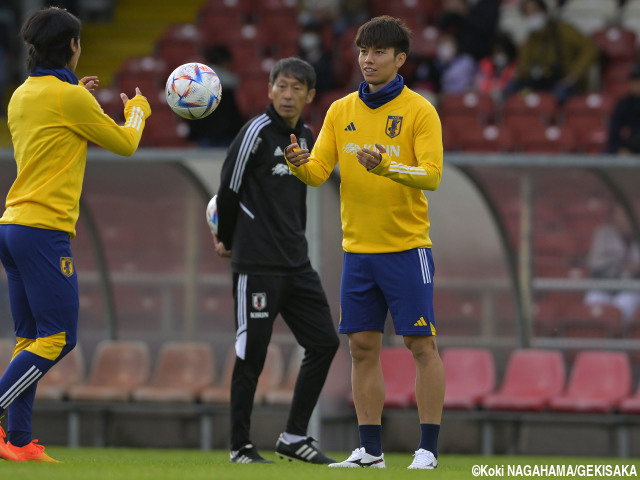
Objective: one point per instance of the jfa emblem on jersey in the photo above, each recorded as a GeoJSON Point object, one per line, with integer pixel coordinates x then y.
{"type": "Point", "coordinates": [394, 125]}
{"type": "Point", "coordinates": [303, 143]}
{"type": "Point", "coordinates": [259, 300]}
{"type": "Point", "coordinates": [66, 266]}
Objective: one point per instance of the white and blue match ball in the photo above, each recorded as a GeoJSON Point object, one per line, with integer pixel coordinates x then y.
{"type": "Point", "coordinates": [212, 215]}
{"type": "Point", "coordinates": [193, 90]}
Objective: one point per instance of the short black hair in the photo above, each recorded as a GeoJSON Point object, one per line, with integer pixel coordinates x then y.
{"type": "Point", "coordinates": [48, 33]}
{"type": "Point", "coordinates": [384, 32]}
{"type": "Point", "coordinates": [299, 69]}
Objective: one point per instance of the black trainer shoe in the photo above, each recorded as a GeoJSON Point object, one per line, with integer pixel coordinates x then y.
{"type": "Point", "coordinates": [304, 450]}
{"type": "Point", "coordinates": [247, 454]}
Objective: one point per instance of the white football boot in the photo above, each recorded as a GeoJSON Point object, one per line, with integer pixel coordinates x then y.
{"type": "Point", "coordinates": [423, 460]}
{"type": "Point", "coordinates": [360, 458]}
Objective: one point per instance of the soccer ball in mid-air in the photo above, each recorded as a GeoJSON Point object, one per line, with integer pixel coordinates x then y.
{"type": "Point", "coordinates": [193, 90]}
{"type": "Point", "coordinates": [212, 214]}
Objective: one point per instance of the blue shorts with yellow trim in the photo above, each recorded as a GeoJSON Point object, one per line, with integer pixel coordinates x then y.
{"type": "Point", "coordinates": [43, 284]}
{"type": "Point", "coordinates": [400, 282]}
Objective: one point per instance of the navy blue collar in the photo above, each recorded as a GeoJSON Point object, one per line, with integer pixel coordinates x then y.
{"type": "Point", "coordinates": [63, 74]}
{"type": "Point", "coordinates": [385, 95]}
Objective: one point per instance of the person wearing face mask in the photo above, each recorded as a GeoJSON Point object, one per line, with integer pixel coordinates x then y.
{"type": "Point", "coordinates": [457, 70]}
{"type": "Point", "coordinates": [496, 70]}
{"type": "Point", "coordinates": [555, 57]}
{"type": "Point", "coordinates": [473, 22]}
{"type": "Point", "coordinates": [312, 50]}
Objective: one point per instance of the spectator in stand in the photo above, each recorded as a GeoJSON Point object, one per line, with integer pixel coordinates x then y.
{"type": "Point", "coordinates": [555, 57]}
{"type": "Point", "coordinates": [624, 124]}
{"type": "Point", "coordinates": [496, 70]}
{"type": "Point", "coordinates": [313, 51]}
{"type": "Point", "coordinates": [219, 129]}
{"type": "Point", "coordinates": [473, 23]}
{"type": "Point", "coordinates": [352, 13]}
{"type": "Point", "coordinates": [457, 70]}
{"type": "Point", "coordinates": [615, 254]}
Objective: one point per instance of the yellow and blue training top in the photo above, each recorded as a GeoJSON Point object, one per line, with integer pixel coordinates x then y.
{"type": "Point", "coordinates": [383, 210]}
{"type": "Point", "coordinates": [50, 122]}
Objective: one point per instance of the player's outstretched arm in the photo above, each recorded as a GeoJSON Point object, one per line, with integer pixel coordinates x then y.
{"type": "Point", "coordinates": [83, 115]}
{"type": "Point", "coordinates": [311, 171]}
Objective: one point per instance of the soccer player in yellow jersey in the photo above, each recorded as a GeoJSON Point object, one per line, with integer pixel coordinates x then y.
{"type": "Point", "coordinates": [387, 140]}
{"type": "Point", "coordinates": [51, 117]}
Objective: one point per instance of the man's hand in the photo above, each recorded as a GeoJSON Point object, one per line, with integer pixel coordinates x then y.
{"type": "Point", "coordinates": [124, 97]}
{"type": "Point", "coordinates": [221, 250]}
{"type": "Point", "coordinates": [90, 83]}
{"type": "Point", "coordinates": [370, 159]}
{"type": "Point", "coordinates": [294, 154]}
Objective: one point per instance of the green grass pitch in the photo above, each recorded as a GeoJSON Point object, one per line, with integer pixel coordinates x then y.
{"type": "Point", "coordinates": [143, 464]}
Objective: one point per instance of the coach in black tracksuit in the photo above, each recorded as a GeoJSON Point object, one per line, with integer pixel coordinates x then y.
{"type": "Point", "coordinates": [262, 217]}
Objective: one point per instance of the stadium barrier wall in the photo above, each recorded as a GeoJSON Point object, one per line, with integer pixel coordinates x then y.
{"type": "Point", "coordinates": [147, 270]}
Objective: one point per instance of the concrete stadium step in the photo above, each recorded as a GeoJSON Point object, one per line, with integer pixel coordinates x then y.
{"type": "Point", "coordinates": [136, 26]}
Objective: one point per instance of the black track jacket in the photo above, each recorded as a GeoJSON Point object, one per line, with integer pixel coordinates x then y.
{"type": "Point", "coordinates": [262, 210]}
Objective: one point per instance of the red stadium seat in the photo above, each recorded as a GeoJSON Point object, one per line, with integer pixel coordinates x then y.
{"type": "Point", "coordinates": [182, 371]}
{"type": "Point", "coordinates": [399, 371]}
{"type": "Point", "coordinates": [471, 104]}
{"type": "Point", "coordinates": [589, 104]}
{"type": "Point", "coordinates": [631, 405]}
{"type": "Point", "coordinates": [595, 140]}
{"type": "Point", "coordinates": [223, 28]}
{"type": "Point", "coordinates": [616, 43]}
{"type": "Point", "coordinates": [596, 321]}
{"type": "Point", "coordinates": [488, 138]}
{"type": "Point", "coordinates": [615, 77]}
{"type": "Point", "coordinates": [470, 376]}
{"type": "Point", "coordinates": [599, 381]}
{"type": "Point", "coordinates": [532, 378]}
{"type": "Point", "coordinates": [538, 138]}
{"type": "Point", "coordinates": [178, 43]}
{"type": "Point", "coordinates": [118, 367]}
{"type": "Point", "coordinates": [538, 107]}
{"type": "Point", "coordinates": [425, 42]}
{"type": "Point", "coordinates": [252, 95]}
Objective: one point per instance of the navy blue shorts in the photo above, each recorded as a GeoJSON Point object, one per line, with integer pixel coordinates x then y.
{"type": "Point", "coordinates": [43, 284]}
{"type": "Point", "coordinates": [401, 283]}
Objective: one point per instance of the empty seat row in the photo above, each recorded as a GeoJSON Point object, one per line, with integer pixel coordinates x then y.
{"type": "Point", "coordinates": [122, 371]}
{"type": "Point", "coordinates": [535, 380]}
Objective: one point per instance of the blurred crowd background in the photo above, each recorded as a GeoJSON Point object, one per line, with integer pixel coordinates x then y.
{"type": "Point", "coordinates": [490, 66]}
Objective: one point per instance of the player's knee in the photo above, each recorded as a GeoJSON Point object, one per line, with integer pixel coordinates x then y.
{"type": "Point", "coordinates": [423, 348]}
{"type": "Point", "coordinates": [363, 348]}
{"type": "Point", "coordinates": [53, 347]}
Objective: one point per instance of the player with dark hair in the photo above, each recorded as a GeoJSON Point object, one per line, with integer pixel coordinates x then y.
{"type": "Point", "coordinates": [51, 117]}
{"type": "Point", "coordinates": [388, 142]}
{"type": "Point", "coordinates": [262, 218]}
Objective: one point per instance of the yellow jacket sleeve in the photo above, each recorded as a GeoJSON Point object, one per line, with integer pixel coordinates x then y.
{"type": "Point", "coordinates": [323, 159]}
{"type": "Point", "coordinates": [82, 114]}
